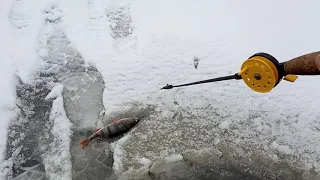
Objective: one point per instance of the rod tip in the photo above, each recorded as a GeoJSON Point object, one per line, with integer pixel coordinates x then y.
{"type": "Point", "coordinates": [167, 87]}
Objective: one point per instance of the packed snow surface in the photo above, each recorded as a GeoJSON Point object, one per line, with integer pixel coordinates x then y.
{"type": "Point", "coordinates": [140, 46]}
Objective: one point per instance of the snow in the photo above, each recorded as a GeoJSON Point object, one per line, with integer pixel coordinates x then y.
{"type": "Point", "coordinates": [58, 152]}
{"type": "Point", "coordinates": [145, 162]}
{"type": "Point", "coordinates": [53, 14]}
{"type": "Point", "coordinates": [224, 125]}
{"type": "Point", "coordinates": [55, 92]}
{"type": "Point", "coordinates": [6, 70]}
{"type": "Point", "coordinates": [156, 47]}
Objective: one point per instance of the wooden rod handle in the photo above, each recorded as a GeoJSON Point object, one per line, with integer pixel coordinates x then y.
{"type": "Point", "coordinates": [308, 64]}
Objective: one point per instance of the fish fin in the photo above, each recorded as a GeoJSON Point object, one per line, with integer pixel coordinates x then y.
{"type": "Point", "coordinates": [84, 143]}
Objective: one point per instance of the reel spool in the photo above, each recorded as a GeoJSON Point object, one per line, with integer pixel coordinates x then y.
{"type": "Point", "coordinates": [262, 72]}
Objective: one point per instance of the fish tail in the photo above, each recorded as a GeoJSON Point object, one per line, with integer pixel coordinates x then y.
{"type": "Point", "coordinates": [84, 143]}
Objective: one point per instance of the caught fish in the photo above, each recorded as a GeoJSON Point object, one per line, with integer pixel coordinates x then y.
{"type": "Point", "coordinates": [111, 130]}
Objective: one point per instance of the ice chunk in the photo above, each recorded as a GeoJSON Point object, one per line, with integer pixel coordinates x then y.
{"type": "Point", "coordinates": [281, 148]}
{"type": "Point", "coordinates": [216, 141]}
{"type": "Point", "coordinates": [118, 154]}
{"type": "Point", "coordinates": [224, 125]}
{"type": "Point", "coordinates": [145, 162]}
{"type": "Point", "coordinates": [173, 158]}
{"type": "Point", "coordinates": [274, 145]}
{"type": "Point", "coordinates": [55, 92]}
{"type": "Point", "coordinates": [167, 114]}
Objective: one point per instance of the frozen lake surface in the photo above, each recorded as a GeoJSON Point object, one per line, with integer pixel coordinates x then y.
{"type": "Point", "coordinates": [70, 67]}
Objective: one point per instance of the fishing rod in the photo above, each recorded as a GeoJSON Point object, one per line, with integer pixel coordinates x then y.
{"type": "Point", "coordinates": [235, 76]}
{"type": "Point", "coordinates": [262, 72]}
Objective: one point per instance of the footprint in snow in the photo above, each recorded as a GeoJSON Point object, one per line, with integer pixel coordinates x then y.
{"type": "Point", "coordinates": [19, 15]}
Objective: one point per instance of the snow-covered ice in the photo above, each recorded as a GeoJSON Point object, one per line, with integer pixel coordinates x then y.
{"type": "Point", "coordinates": [112, 57]}
{"type": "Point", "coordinates": [58, 153]}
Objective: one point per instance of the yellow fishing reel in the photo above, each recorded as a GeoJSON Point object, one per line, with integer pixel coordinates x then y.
{"type": "Point", "coordinates": [262, 72]}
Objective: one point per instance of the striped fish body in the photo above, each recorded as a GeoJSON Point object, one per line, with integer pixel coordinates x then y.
{"type": "Point", "coordinates": [111, 130]}
{"type": "Point", "coordinates": [117, 127]}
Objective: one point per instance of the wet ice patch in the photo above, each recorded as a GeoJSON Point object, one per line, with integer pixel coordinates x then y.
{"type": "Point", "coordinates": [82, 100]}
{"type": "Point", "coordinates": [28, 132]}
{"type": "Point", "coordinates": [222, 155]}
{"type": "Point", "coordinates": [34, 172]}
